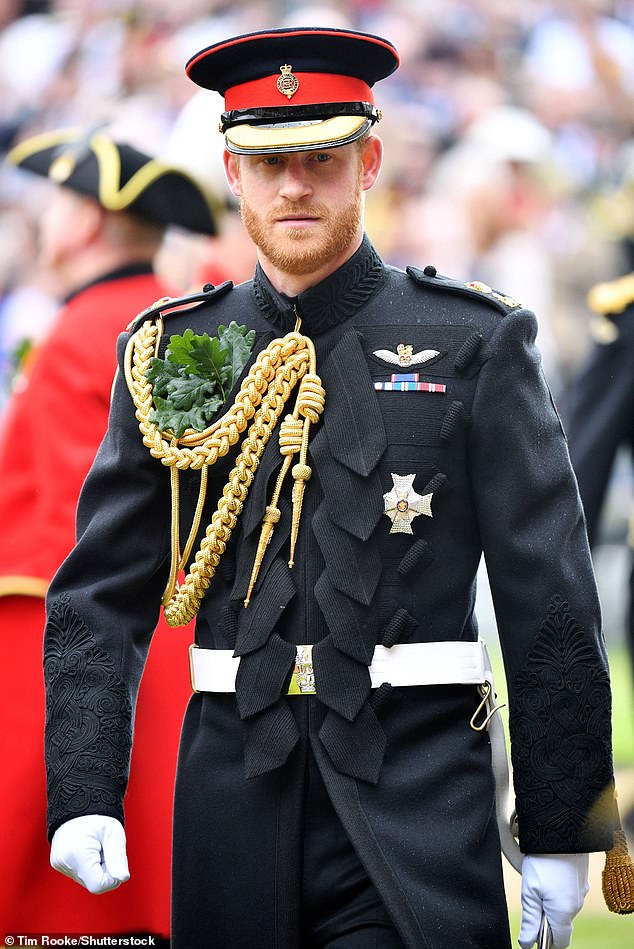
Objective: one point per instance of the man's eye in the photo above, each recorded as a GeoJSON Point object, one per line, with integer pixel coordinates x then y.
{"type": "Point", "coordinates": [271, 160]}
{"type": "Point", "coordinates": [322, 156]}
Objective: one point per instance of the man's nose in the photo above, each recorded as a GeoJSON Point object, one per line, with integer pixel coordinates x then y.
{"type": "Point", "coordinates": [295, 182]}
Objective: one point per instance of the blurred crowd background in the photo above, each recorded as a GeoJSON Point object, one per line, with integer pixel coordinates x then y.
{"type": "Point", "coordinates": [509, 132]}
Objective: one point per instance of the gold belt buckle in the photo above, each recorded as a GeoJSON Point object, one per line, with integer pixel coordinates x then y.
{"type": "Point", "coordinates": [303, 676]}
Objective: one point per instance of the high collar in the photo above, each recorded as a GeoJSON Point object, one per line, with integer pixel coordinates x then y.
{"type": "Point", "coordinates": [328, 303]}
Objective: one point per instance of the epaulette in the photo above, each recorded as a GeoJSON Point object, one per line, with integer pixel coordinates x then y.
{"type": "Point", "coordinates": [474, 289]}
{"type": "Point", "coordinates": [173, 305]}
{"type": "Point", "coordinates": [613, 296]}
{"type": "Point", "coordinates": [609, 300]}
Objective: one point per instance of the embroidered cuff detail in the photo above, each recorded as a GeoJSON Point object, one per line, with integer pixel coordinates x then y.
{"type": "Point", "coordinates": [88, 733]}
{"type": "Point", "coordinates": [560, 741]}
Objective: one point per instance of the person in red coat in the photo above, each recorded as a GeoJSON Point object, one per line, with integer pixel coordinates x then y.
{"type": "Point", "coordinates": [100, 234]}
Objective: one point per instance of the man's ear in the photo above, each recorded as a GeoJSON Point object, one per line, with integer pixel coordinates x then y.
{"type": "Point", "coordinates": [232, 171]}
{"type": "Point", "coordinates": [88, 223]}
{"type": "Point", "coordinates": [371, 158]}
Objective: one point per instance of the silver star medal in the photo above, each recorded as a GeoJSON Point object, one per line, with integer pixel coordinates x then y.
{"type": "Point", "coordinates": [402, 504]}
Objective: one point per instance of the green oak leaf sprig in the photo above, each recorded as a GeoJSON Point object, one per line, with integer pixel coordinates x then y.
{"type": "Point", "coordinates": [196, 376]}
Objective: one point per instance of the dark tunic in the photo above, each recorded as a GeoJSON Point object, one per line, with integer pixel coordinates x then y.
{"type": "Point", "coordinates": [410, 780]}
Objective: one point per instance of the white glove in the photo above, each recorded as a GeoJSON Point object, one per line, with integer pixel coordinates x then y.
{"type": "Point", "coordinates": [91, 851]}
{"type": "Point", "coordinates": [554, 884]}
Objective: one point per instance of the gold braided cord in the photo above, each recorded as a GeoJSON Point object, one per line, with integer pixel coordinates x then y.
{"type": "Point", "coordinates": [186, 601]}
{"type": "Point", "coordinates": [202, 494]}
{"type": "Point", "coordinates": [168, 592]}
{"type": "Point", "coordinates": [195, 449]}
{"type": "Point", "coordinates": [260, 402]}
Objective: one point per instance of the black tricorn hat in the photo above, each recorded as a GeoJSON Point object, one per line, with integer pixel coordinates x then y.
{"type": "Point", "coordinates": [295, 89]}
{"type": "Point", "coordinates": [120, 178]}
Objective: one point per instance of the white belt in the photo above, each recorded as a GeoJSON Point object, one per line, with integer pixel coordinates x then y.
{"type": "Point", "coordinates": [451, 663]}
{"type": "Point", "coordinates": [446, 663]}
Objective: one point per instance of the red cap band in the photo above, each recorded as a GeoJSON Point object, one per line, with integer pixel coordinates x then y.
{"type": "Point", "coordinates": [313, 88]}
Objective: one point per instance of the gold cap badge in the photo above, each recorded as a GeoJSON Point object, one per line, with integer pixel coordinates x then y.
{"type": "Point", "coordinates": [287, 83]}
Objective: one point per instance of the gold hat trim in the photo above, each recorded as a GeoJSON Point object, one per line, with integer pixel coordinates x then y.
{"type": "Point", "coordinates": [38, 143]}
{"type": "Point", "coordinates": [112, 196]}
{"type": "Point", "coordinates": [296, 136]}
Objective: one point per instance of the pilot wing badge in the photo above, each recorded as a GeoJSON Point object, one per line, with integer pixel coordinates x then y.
{"type": "Point", "coordinates": [405, 355]}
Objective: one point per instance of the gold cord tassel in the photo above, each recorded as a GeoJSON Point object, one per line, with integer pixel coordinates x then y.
{"type": "Point", "coordinates": [301, 474]}
{"type": "Point", "coordinates": [269, 521]}
{"type": "Point", "coordinates": [310, 403]}
{"type": "Point", "coordinates": [617, 879]}
{"type": "Point", "coordinates": [293, 438]}
{"type": "Point", "coordinates": [290, 439]}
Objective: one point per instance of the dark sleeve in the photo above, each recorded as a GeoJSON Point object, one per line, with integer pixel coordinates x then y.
{"type": "Point", "coordinates": [598, 410]}
{"type": "Point", "coordinates": [538, 560]}
{"type": "Point", "coordinates": [102, 608]}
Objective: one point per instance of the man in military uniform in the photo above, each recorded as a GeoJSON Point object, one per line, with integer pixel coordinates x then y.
{"type": "Point", "coordinates": [334, 784]}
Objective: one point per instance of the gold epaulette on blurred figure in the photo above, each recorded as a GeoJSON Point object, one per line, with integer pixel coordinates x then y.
{"type": "Point", "coordinates": [609, 300]}
{"type": "Point", "coordinates": [613, 296]}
